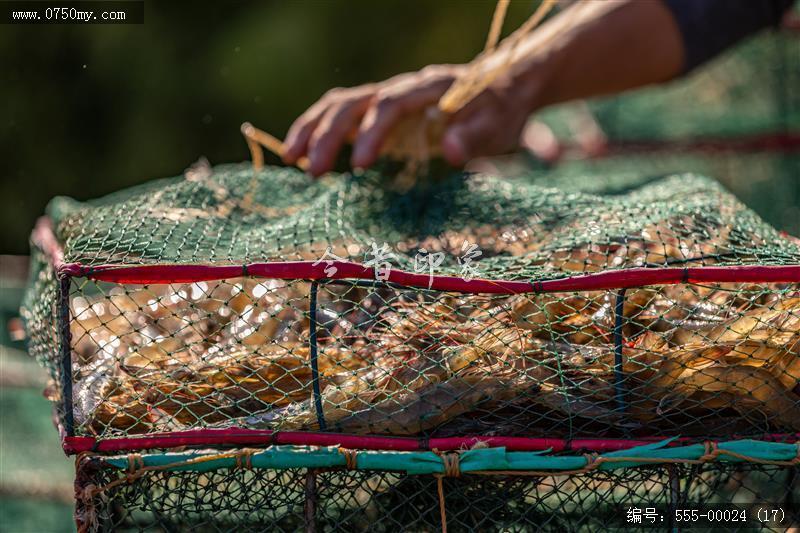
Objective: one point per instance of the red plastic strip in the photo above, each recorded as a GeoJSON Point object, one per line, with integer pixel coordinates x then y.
{"type": "Point", "coordinates": [252, 437]}
{"type": "Point", "coordinates": [238, 437]}
{"type": "Point", "coordinates": [612, 279]}
{"type": "Point", "coordinates": [147, 274]}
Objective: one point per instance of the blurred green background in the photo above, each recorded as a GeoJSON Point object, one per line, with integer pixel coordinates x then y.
{"type": "Point", "coordinates": [87, 110]}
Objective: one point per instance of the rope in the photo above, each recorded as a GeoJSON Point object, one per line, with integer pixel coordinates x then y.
{"type": "Point", "coordinates": [711, 453]}
{"type": "Point", "coordinates": [244, 459]}
{"type": "Point", "coordinates": [135, 463]}
{"type": "Point", "coordinates": [452, 468]}
{"type": "Point", "coordinates": [474, 79]}
{"type": "Point", "coordinates": [451, 464]}
{"type": "Point", "coordinates": [442, 510]}
{"type": "Point", "coordinates": [350, 458]}
{"type": "Point", "coordinates": [87, 515]}
{"type": "Point", "coordinates": [256, 153]}
{"type": "Point", "coordinates": [137, 468]}
{"type": "Point", "coordinates": [497, 25]}
{"type": "Point", "coordinates": [82, 456]}
{"type": "Point", "coordinates": [257, 139]}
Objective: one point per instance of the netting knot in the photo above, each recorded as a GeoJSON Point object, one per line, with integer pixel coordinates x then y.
{"type": "Point", "coordinates": [82, 457]}
{"type": "Point", "coordinates": [593, 460]}
{"type": "Point", "coordinates": [135, 463]}
{"type": "Point", "coordinates": [86, 514]}
{"type": "Point", "coordinates": [452, 468]}
{"type": "Point", "coordinates": [244, 459]}
{"type": "Point", "coordinates": [350, 458]}
{"type": "Point", "coordinates": [88, 493]}
{"type": "Point", "coordinates": [452, 465]}
{"type": "Point", "coordinates": [710, 451]}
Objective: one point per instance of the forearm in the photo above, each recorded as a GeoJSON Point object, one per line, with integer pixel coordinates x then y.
{"type": "Point", "coordinates": [593, 48]}
{"type": "Point", "coordinates": [596, 48]}
{"type": "Point", "coordinates": [600, 47]}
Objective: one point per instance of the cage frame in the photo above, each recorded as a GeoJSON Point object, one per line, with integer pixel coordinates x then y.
{"type": "Point", "coordinates": [618, 280]}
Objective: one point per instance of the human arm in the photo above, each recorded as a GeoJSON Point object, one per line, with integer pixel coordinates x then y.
{"type": "Point", "coordinates": [592, 48]}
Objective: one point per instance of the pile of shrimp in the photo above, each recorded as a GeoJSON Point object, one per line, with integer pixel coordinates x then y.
{"type": "Point", "coordinates": [678, 239]}
{"type": "Point", "coordinates": [171, 357]}
{"type": "Point", "coordinates": [690, 351]}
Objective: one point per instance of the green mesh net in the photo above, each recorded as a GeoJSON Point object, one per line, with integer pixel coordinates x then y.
{"type": "Point", "coordinates": [524, 230]}
{"type": "Point", "coordinates": [372, 356]}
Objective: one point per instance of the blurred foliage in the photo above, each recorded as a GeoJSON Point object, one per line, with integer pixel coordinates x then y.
{"type": "Point", "coordinates": [35, 475]}
{"type": "Point", "coordinates": [747, 92]}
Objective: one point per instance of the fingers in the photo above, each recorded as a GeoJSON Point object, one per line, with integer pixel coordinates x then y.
{"type": "Point", "coordinates": [351, 103]}
{"type": "Point", "coordinates": [489, 125]}
{"type": "Point", "coordinates": [456, 144]}
{"type": "Point", "coordinates": [539, 140]}
{"type": "Point", "coordinates": [392, 105]}
{"type": "Point", "coordinates": [378, 120]}
{"type": "Point", "coordinates": [371, 110]}
{"type": "Point", "coordinates": [484, 133]}
{"type": "Point", "coordinates": [296, 143]}
{"type": "Point", "coordinates": [331, 132]}
{"type": "Point", "coordinates": [471, 137]}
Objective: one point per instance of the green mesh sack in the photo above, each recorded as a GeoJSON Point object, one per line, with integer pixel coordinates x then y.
{"type": "Point", "coordinates": [265, 301]}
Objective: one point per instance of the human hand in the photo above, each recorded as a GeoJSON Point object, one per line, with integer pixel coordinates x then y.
{"type": "Point", "coordinates": [490, 124]}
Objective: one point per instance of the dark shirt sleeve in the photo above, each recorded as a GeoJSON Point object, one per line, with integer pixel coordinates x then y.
{"type": "Point", "coordinates": [710, 26]}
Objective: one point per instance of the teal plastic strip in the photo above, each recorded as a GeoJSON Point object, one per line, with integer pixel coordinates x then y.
{"type": "Point", "coordinates": [418, 463]}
